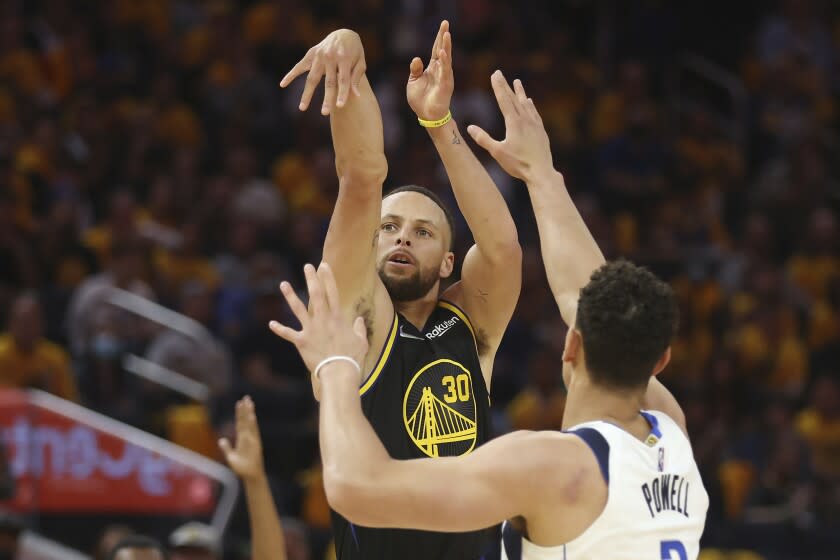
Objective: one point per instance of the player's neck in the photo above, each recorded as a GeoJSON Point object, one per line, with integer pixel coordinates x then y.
{"type": "Point", "coordinates": [417, 311]}
{"type": "Point", "coordinates": [587, 402]}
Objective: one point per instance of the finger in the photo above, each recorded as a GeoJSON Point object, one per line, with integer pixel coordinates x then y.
{"type": "Point", "coordinates": [444, 66]}
{"type": "Point", "coordinates": [359, 327]}
{"type": "Point", "coordinates": [317, 300]}
{"type": "Point", "coordinates": [247, 406]}
{"type": "Point", "coordinates": [297, 306]}
{"type": "Point", "coordinates": [248, 416]}
{"type": "Point", "coordinates": [483, 139]}
{"type": "Point", "coordinates": [415, 69]}
{"type": "Point", "coordinates": [330, 288]}
{"type": "Point", "coordinates": [240, 414]}
{"type": "Point", "coordinates": [225, 446]}
{"type": "Point", "coordinates": [284, 332]}
{"type": "Point", "coordinates": [519, 90]}
{"type": "Point", "coordinates": [447, 45]}
{"type": "Point", "coordinates": [444, 27]}
{"type": "Point", "coordinates": [330, 88]}
{"type": "Point", "coordinates": [297, 70]}
{"type": "Point", "coordinates": [344, 73]}
{"type": "Point", "coordinates": [356, 77]}
{"type": "Point", "coordinates": [504, 95]}
{"type": "Point", "coordinates": [253, 425]}
{"type": "Point", "coordinates": [532, 109]}
{"type": "Point", "coordinates": [312, 80]}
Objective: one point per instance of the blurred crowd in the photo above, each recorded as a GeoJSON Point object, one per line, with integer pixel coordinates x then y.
{"type": "Point", "coordinates": [145, 147]}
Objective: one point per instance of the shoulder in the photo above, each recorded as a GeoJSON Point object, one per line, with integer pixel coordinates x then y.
{"type": "Point", "coordinates": [562, 471]}
{"type": "Point", "coordinates": [452, 302]}
{"type": "Point", "coordinates": [549, 460]}
{"type": "Point", "coordinates": [670, 417]}
{"type": "Point", "coordinates": [659, 399]}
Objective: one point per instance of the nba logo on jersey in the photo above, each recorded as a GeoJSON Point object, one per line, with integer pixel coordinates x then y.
{"type": "Point", "coordinates": [661, 459]}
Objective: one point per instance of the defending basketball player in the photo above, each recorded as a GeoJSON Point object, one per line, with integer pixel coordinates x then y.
{"type": "Point", "coordinates": [429, 348]}
{"type": "Point", "coordinates": [620, 482]}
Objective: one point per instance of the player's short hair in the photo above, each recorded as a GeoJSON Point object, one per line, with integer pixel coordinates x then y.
{"type": "Point", "coordinates": [627, 318]}
{"type": "Point", "coordinates": [431, 195]}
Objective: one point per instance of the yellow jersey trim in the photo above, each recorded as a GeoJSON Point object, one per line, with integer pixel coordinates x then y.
{"type": "Point", "coordinates": [463, 316]}
{"type": "Point", "coordinates": [383, 359]}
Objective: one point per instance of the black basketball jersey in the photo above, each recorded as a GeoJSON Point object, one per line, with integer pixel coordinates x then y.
{"type": "Point", "coordinates": [426, 397]}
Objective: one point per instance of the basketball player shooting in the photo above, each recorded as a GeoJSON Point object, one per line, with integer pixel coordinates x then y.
{"type": "Point", "coordinates": [619, 482]}
{"type": "Point", "coordinates": [426, 381]}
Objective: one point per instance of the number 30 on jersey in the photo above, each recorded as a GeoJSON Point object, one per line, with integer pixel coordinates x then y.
{"type": "Point", "coordinates": [458, 388]}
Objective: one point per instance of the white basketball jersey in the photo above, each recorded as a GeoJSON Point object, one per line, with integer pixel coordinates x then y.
{"type": "Point", "coordinates": [656, 507]}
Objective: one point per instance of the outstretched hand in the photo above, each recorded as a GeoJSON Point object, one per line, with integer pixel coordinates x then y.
{"type": "Point", "coordinates": [340, 60]}
{"type": "Point", "coordinates": [429, 90]}
{"type": "Point", "coordinates": [325, 330]}
{"type": "Point", "coordinates": [525, 153]}
{"type": "Point", "coordinates": [246, 459]}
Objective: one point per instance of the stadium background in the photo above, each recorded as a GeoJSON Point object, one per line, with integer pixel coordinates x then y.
{"type": "Point", "coordinates": [144, 144]}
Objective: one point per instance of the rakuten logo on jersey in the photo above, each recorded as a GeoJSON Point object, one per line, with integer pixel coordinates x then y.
{"type": "Point", "coordinates": [441, 328]}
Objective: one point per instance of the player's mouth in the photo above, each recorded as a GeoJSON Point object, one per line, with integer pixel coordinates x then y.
{"type": "Point", "coordinates": [400, 259]}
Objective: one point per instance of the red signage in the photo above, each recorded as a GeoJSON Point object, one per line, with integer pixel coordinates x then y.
{"type": "Point", "coordinates": [65, 458]}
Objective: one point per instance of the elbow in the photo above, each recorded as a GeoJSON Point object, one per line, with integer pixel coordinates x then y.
{"type": "Point", "coordinates": [363, 173]}
{"type": "Point", "coordinates": [356, 497]}
{"type": "Point", "coordinates": [511, 249]}
{"type": "Point", "coordinates": [344, 494]}
{"type": "Point", "coordinates": [506, 252]}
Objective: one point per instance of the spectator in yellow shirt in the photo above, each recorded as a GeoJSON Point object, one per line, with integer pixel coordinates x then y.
{"type": "Point", "coordinates": [27, 359]}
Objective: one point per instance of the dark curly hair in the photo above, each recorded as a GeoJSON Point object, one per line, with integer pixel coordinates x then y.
{"type": "Point", "coordinates": [627, 318]}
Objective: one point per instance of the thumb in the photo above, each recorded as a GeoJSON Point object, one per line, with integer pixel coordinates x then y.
{"type": "Point", "coordinates": [359, 327]}
{"type": "Point", "coordinates": [415, 69]}
{"type": "Point", "coordinates": [483, 139]}
{"type": "Point", "coordinates": [224, 445]}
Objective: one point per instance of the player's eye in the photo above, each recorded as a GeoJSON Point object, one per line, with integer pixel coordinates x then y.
{"type": "Point", "coordinates": [389, 227]}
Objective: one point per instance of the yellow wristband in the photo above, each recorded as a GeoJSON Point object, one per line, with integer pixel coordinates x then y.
{"type": "Point", "coordinates": [437, 123]}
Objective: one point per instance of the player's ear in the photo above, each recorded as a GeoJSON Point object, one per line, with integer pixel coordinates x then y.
{"type": "Point", "coordinates": [447, 265]}
{"type": "Point", "coordinates": [663, 362]}
{"type": "Point", "coordinates": [573, 345]}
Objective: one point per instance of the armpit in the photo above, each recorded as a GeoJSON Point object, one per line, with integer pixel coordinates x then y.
{"type": "Point", "coordinates": [481, 344]}
{"type": "Point", "coordinates": [365, 310]}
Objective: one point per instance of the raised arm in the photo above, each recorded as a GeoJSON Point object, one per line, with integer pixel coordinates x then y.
{"type": "Point", "coordinates": [246, 460]}
{"type": "Point", "coordinates": [356, 125]}
{"type": "Point", "coordinates": [569, 251]}
{"type": "Point", "coordinates": [491, 275]}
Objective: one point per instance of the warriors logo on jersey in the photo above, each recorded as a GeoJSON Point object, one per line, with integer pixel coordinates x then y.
{"type": "Point", "coordinates": [439, 409]}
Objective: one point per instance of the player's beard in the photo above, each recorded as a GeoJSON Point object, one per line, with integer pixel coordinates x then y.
{"type": "Point", "coordinates": [409, 288]}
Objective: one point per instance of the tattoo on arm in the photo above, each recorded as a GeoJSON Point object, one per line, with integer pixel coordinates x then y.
{"type": "Point", "coordinates": [455, 139]}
